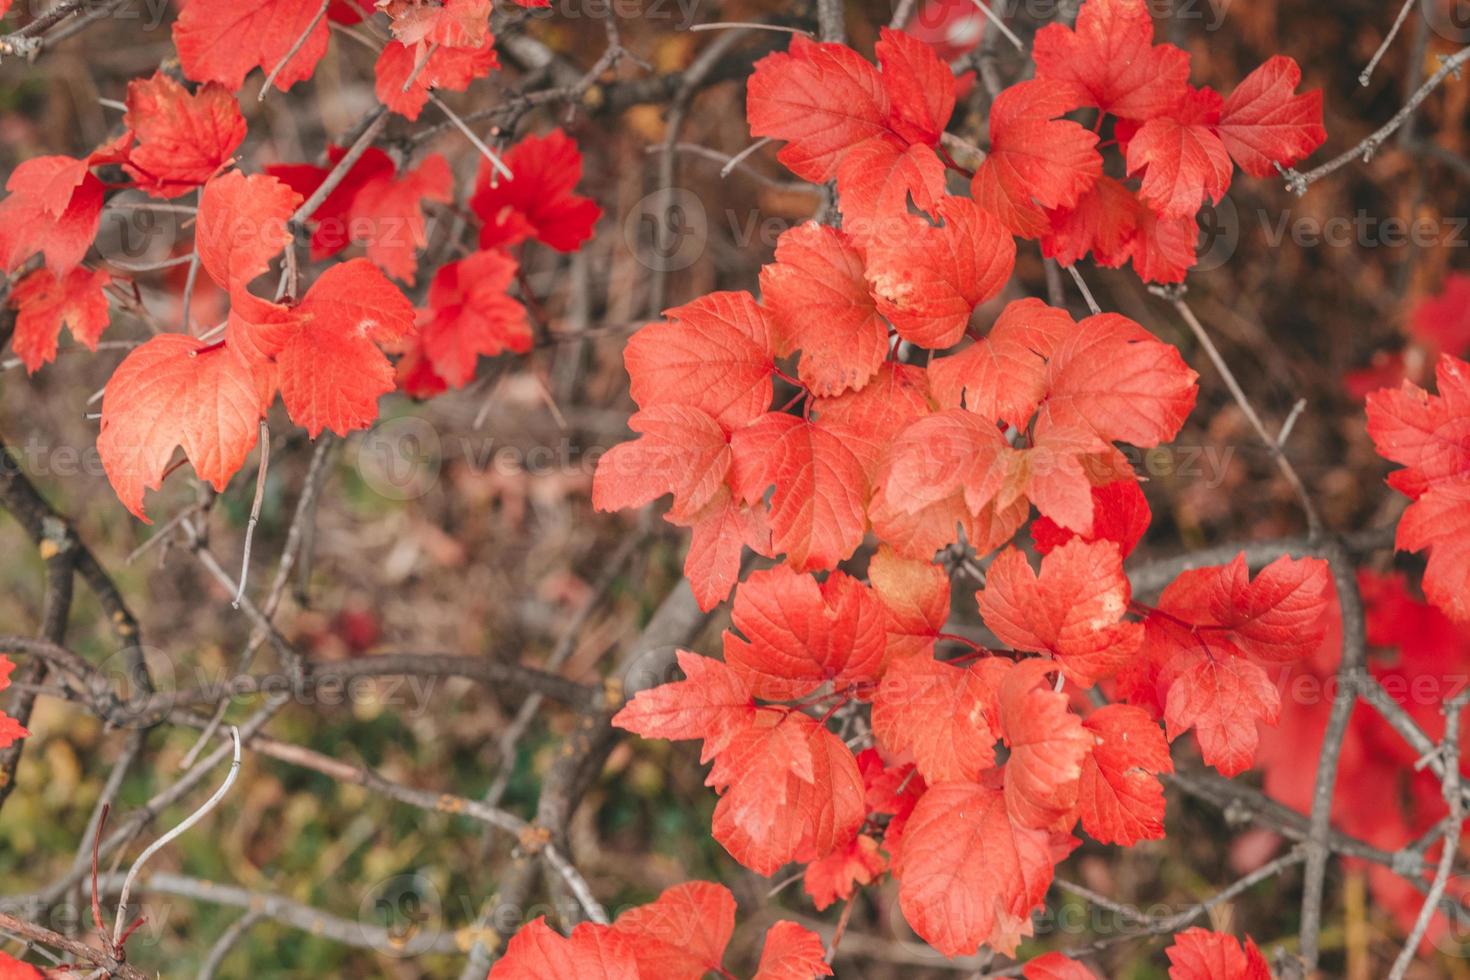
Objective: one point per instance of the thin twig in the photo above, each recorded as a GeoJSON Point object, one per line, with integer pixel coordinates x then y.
{"type": "Point", "coordinates": [995, 19]}
{"type": "Point", "coordinates": [1367, 73]}
{"type": "Point", "coordinates": [265, 459]}
{"type": "Point", "coordinates": [294, 50]}
{"type": "Point", "coordinates": [470, 135]}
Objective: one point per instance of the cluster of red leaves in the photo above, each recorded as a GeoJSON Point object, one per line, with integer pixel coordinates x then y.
{"type": "Point", "coordinates": [10, 729]}
{"type": "Point", "coordinates": [972, 835]}
{"type": "Point", "coordinates": [680, 936]}
{"type": "Point", "coordinates": [1384, 794]}
{"type": "Point", "coordinates": [876, 129]}
{"type": "Point", "coordinates": [1430, 436]}
{"type": "Point", "coordinates": [326, 354]}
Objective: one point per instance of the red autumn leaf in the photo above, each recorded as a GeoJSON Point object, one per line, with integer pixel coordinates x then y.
{"type": "Point", "coordinates": [681, 451]}
{"type": "Point", "coordinates": [1120, 514]}
{"type": "Point", "coordinates": [1182, 159]}
{"type": "Point", "coordinates": [711, 703]}
{"type": "Point", "coordinates": [915, 600]}
{"type": "Point", "coordinates": [1112, 58]}
{"type": "Point", "coordinates": [1222, 700]}
{"type": "Point", "coordinates": [877, 179]}
{"type": "Point", "coordinates": [10, 731]}
{"type": "Point", "coordinates": [1163, 249]}
{"type": "Point", "coordinates": [792, 952]}
{"type": "Point", "coordinates": [720, 533]}
{"type": "Point", "coordinates": [968, 876]}
{"type": "Point", "coordinates": [54, 207]}
{"type": "Point", "coordinates": [1073, 610]}
{"type": "Point", "coordinates": [714, 354]}
{"type": "Point", "coordinates": [1198, 954]}
{"type": "Point", "coordinates": [818, 509]}
{"type": "Point", "coordinates": [1120, 799]}
{"type": "Point", "coordinates": [820, 98]}
{"type": "Point", "coordinates": [326, 349]}
{"type": "Point", "coordinates": [870, 418]}
{"type": "Point", "coordinates": [182, 139]}
{"type": "Point", "coordinates": [539, 200]}
{"type": "Point", "coordinates": [471, 315]}
{"type": "Point", "coordinates": [44, 304]}
{"type": "Point", "coordinates": [819, 304]}
{"type": "Point", "coordinates": [942, 715]}
{"type": "Point", "coordinates": [921, 88]}
{"type": "Point", "coordinates": [176, 391]}
{"type": "Point", "coordinates": [796, 634]}
{"type": "Point", "coordinates": [242, 225]}
{"type": "Point", "coordinates": [223, 40]}
{"type": "Point", "coordinates": [1441, 322]}
{"type": "Point", "coordinates": [1048, 747]}
{"type": "Point", "coordinates": [1036, 160]}
{"type": "Point", "coordinates": [1265, 124]}
{"type": "Point", "coordinates": [835, 877]}
{"type": "Point", "coordinates": [1114, 378]}
{"type": "Point", "coordinates": [1003, 375]}
{"type": "Point", "coordinates": [1056, 966]}
{"type": "Point", "coordinates": [446, 69]}
{"type": "Point", "coordinates": [683, 933]}
{"type": "Point", "coordinates": [790, 791]}
{"type": "Point", "coordinates": [593, 952]}
{"type": "Point", "coordinates": [1430, 435]}
{"type": "Point", "coordinates": [1104, 223]}
{"type": "Point", "coordinates": [449, 23]}
{"type": "Point", "coordinates": [929, 280]}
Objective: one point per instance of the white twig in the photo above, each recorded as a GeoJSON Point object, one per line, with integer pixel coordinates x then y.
{"type": "Point", "coordinates": [174, 834]}
{"type": "Point", "coordinates": [469, 134]}
{"type": "Point", "coordinates": [1393, 32]}
{"type": "Point", "coordinates": [265, 462]}
{"type": "Point", "coordinates": [750, 25]}
{"type": "Point", "coordinates": [995, 19]}
{"type": "Point", "coordinates": [1086, 293]}
{"type": "Point", "coordinates": [295, 49]}
{"type": "Point", "coordinates": [735, 161]}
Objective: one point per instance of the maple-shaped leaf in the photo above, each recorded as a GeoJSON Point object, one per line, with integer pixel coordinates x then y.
{"type": "Point", "coordinates": [539, 201]}
{"type": "Point", "coordinates": [819, 507]}
{"type": "Point", "coordinates": [1115, 378]}
{"type": "Point", "coordinates": [715, 354]}
{"type": "Point", "coordinates": [942, 715]}
{"type": "Point", "coordinates": [450, 23]}
{"type": "Point", "coordinates": [43, 303]}
{"type": "Point", "coordinates": [183, 139]}
{"type": "Point", "coordinates": [1120, 514]}
{"type": "Point", "coordinates": [712, 703]}
{"type": "Point", "coordinates": [1036, 160]}
{"type": "Point", "coordinates": [224, 40]}
{"type": "Point", "coordinates": [243, 225]}
{"type": "Point", "coordinates": [1279, 617]}
{"type": "Point", "coordinates": [593, 952]}
{"type": "Point", "coordinates": [792, 952]}
{"type": "Point", "coordinates": [1056, 966]}
{"type": "Point", "coordinates": [176, 391]}
{"type": "Point", "coordinates": [10, 729]}
{"type": "Point", "coordinates": [681, 451]}
{"type": "Point", "coordinates": [968, 876]}
{"type": "Point", "coordinates": [1182, 159]}
{"type": "Point", "coordinates": [721, 532]}
{"type": "Point", "coordinates": [1048, 747]}
{"type": "Point", "coordinates": [54, 207]}
{"type": "Point", "coordinates": [929, 280]}
{"type": "Point", "coordinates": [403, 82]}
{"type": "Point", "coordinates": [681, 934]}
{"type": "Point", "coordinates": [1104, 224]}
{"type": "Point", "coordinates": [821, 99]}
{"type": "Point", "coordinates": [471, 314]}
{"type": "Point", "coordinates": [877, 179]}
{"type": "Point", "coordinates": [835, 877]}
{"type": "Point", "coordinates": [1003, 375]}
{"type": "Point", "coordinates": [871, 417]}
{"type": "Point", "coordinates": [915, 600]}
{"type": "Point", "coordinates": [326, 349]}
{"type": "Point", "coordinates": [790, 791]}
{"type": "Point", "coordinates": [797, 634]}
{"type": "Point", "coordinates": [1120, 799]}
{"type": "Point", "coordinates": [1265, 124]}
{"type": "Point", "coordinates": [1073, 610]}
{"type": "Point", "coordinates": [1430, 435]}
{"type": "Point", "coordinates": [819, 304]}
{"type": "Point", "coordinates": [1222, 700]}
{"type": "Point", "coordinates": [921, 88]}
{"type": "Point", "coordinates": [1112, 58]}
{"type": "Point", "coordinates": [1198, 954]}
{"type": "Point", "coordinates": [374, 206]}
